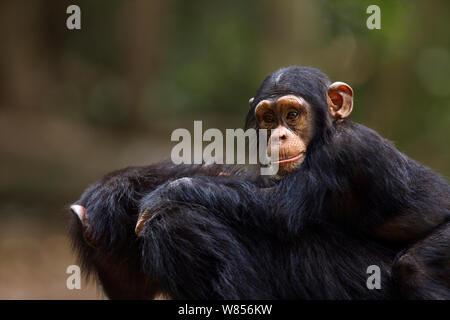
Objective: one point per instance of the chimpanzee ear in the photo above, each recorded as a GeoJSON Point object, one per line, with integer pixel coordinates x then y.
{"type": "Point", "coordinates": [81, 213]}
{"type": "Point", "coordinates": [340, 100]}
{"type": "Point", "coordinates": [250, 102]}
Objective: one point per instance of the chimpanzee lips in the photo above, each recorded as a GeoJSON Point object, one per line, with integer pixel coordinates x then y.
{"type": "Point", "coordinates": [292, 159]}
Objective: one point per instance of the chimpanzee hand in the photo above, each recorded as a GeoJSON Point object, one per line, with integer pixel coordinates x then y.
{"type": "Point", "coordinates": [187, 239]}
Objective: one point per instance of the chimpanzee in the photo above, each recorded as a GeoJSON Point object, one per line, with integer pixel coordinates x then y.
{"type": "Point", "coordinates": [103, 227]}
{"type": "Point", "coordinates": [346, 200]}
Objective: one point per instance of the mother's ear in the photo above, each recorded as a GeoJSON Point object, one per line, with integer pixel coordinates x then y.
{"type": "Point", "coordinates": [82, 215]}
{"type": "Point", "coordinates": [340, 100]}
{"type": "Point", "coordinates": [250, 101]}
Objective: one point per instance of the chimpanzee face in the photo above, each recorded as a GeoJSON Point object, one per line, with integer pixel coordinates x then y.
{"type": "Point", "coordinates": [289, 118]}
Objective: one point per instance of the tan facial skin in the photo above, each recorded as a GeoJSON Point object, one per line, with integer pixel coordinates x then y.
{"type": "Point", "coordinates": [291, 119]}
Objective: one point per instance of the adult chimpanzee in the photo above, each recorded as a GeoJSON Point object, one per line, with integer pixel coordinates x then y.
{"type": "Point", "coordinates": [103, 229]}
{"type": "Point", "coordinates": [347, 200]}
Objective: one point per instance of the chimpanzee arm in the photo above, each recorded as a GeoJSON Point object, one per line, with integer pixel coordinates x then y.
{"type": "Point", "coordinates": [111, 204]}
{"type": "Point", "coordinates": [361, 180]}
{"type": "Point", "coordinates": [422, 271]}
{"type": "Point", "coordinates": [186, 246]}
{"type": "Point", "coordinates": [234, 201]}
{"type": "Point", "coordinates": [383, 193]}
{"type": "Point", "coordinates": [102, 229]}
{"type": "Point", "coordinates": [425, 205]}
{"type": "Point", "coordinates": [200, 232]}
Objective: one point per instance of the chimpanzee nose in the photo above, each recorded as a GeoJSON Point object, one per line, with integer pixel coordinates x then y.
{"type": "Point", "coordinates": [283, 134]}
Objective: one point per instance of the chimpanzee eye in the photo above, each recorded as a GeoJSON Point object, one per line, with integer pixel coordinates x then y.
{"type": "Point", "coordinates": [292, 115]}
{"type": "Point", "coordinates": [268, 118]}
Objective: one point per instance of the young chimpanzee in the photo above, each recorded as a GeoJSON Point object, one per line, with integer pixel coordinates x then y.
{"type": "Point", "coordinates": [347, 200]}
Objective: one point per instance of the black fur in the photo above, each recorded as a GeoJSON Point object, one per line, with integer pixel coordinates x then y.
{"type": "Point", "coordinates": [112, 207]}
{"type": "Point", "coordinates": [354, 202]}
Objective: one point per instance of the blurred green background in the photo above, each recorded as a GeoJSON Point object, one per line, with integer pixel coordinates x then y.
{"type": "Point", "coordinates": [75, 105]}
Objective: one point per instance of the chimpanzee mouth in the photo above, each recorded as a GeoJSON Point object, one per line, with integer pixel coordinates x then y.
{"type": "Point", "coordinates": [288, 160]}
